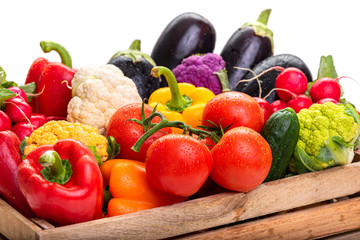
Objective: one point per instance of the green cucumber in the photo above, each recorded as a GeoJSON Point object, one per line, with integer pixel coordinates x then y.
{"type": "Point", "coordinates": [281, 131]}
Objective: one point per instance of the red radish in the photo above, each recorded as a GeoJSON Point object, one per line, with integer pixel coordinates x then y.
{"type": "Point", "coordinates": [5, 121]}
{"type": "Point", "coordinates": [17, 109]}
{"type": "Point", "coordinates": [324, 100]}
{"type": "Point", "coordinates": [292, 79]}
{"type": "Point", "coordinates": [38, 119]}
{"type": "Point", "coordinates": [301, 101]}
{"type": "Point", "coordinates": [265, 105]}
{"type": "Point", "coordinates": [23, 129]}
{"type": "Point", "coordinates": [278, 105]}
{"type": "Point", "coordinates": [325, 88]}
{"type": "Point", "coordinates": [19, 92]}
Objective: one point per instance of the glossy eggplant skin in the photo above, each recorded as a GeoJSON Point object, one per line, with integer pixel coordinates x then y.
{"type": "Point", "coordinates": [189, 33]}
{"type": "Point", "coordinates": [140, 73]}
{"type": "Point", "coordinates": [244, 49]}
{"type": "Point", "coordinates": [267, 80]}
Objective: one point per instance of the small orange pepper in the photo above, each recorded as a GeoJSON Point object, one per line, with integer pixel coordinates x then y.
{"type": "Point", "coordinates": [130, 190]}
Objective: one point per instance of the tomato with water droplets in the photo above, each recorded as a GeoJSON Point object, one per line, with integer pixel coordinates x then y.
{"type": "Point", "coordinates": [235, 109]}
{"type": "Point", "coordinates": [241, 160]}
{"type": "Point", "coordinates": [126, 132]}
{"type": "Point", "coordinates": [178, 164]}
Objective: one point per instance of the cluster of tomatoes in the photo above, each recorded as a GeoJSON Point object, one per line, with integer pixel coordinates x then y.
{"type": "Point", "coordinates": [180, 164]}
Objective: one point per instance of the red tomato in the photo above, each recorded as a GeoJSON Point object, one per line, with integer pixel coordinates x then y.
{"type": "Point", "coordinates": [178, 164]}
{"type": "Point", "coordinates": [241, 160]}
{"type": "Point", "coordinates": [207, 141]}
{"type": "Point", "coordinates": [126, 133]}
{"type": "Point", "coordinates": [236, 108]}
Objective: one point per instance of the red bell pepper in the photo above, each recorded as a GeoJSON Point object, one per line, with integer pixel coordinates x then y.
{"type": "Point", "coordinates": [52, 80]}
{"type": "Point", "coordinates": [62, 183]}
{"type": "Point", "coordinates": [10, 158]}
{"type": "Point", "coordinates": [34, 75]}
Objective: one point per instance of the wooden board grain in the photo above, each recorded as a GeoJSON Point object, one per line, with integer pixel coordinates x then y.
{"type": "Point", "coordinates": [13, 225]}
{"type": "Point", "coordinates": [220, 209]}
{"type": "Point", "coordinates": [311, 223]}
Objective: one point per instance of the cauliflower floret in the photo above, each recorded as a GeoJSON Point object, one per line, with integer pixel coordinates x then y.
{"type": "Point", "coordinates": [322, 121]}
{"type": "Point", "coordinates": [53, 131]}
{"type": "Point", "coordinates": [98, 91]}
{"type": "Point", "coordinates": [199, 70]}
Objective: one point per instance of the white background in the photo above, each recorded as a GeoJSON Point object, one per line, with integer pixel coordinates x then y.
{"type": "Point", "coordinates": [92, 31]}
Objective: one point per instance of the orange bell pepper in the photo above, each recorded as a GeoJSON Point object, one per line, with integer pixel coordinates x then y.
{"type": "Point", "coordinates": [130, 190]}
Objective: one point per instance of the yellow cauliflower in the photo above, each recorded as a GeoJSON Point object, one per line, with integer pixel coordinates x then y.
{"type": "Point", "coordinates": [53, 131]}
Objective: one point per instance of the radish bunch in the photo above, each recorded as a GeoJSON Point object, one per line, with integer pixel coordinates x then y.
{"type": "Point", "coordinates": [18, 116]}
{"type": "Point", "coordinates": [291, 85]}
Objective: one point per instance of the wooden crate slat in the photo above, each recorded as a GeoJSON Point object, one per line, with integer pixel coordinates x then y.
{"type": "Point", "coordinates": [13, 225]}
{"type": "Point", "coordinates": [220, 209]}
{"type": "Point", "coordinates": [310, 223]}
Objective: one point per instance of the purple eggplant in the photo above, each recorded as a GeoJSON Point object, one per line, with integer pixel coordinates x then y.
{"type": "Point", "coordinates": [137, 66]}
{"type": "Point", "coordinates": [187, 34]}
{"type": "Point", "coordinates": [248, 46]}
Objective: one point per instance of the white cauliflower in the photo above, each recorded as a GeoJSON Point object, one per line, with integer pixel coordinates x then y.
{"type": "Point", "coordinates": [98, 91]}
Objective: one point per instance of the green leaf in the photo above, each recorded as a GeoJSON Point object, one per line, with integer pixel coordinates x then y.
{"type": "Point", "coordinates": [6, 94]}
{"type": "Point", "coordinates": [350, 110]}
{"type": "Point", "coordinates": [336, 152]}
{"type": "Point", "coordinates": [45, 172]}
{"type": "Point", "coordinates": [29, 88]}
{"type": "Point", "coordinates": [2, 76]}
{"type": "Point", "coordinates": [304, 163]}
{"type": "Point", "coordinates": [327, 68]}
{"type": "Point", "coordinates": [113, 147]}
{"type": "Point", "coordinates": [96, 154]}
{"type": "Point", "coordinates": [23, 145]}
{"type": "Point", "coordinates": [224, 79]}
{"type": "Point", "coordinates": [9, 84]}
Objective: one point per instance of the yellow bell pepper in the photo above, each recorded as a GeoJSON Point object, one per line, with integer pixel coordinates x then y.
{"type": "Point", "coordinates": [180, 101]}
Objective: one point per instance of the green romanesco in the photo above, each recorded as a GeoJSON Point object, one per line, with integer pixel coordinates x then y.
{"type": "Point", "coordinates": [320, 122]}
{"type": "Point", "coordinates": [328, 134]}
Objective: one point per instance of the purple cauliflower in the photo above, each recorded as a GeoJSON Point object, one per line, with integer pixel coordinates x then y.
{"type": "Point", "coordinates": [200, 70]}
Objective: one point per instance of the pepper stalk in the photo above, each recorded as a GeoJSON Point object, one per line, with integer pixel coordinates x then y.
{"type": "Point", "coordinates": [178, 102]}
{"type": "Point", "coordinates": [55, 169]}
{"type": "Point", "coordinates": [48, 46]}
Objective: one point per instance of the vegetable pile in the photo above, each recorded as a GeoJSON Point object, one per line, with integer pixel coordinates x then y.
{"type": "Point", "coordinates": [144, 131]}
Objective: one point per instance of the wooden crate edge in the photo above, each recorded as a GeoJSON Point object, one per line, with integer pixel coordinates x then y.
{"type": "Point", "coordinates": [220, 209]}
{"type": "Point", "coordinates": [14, 225]}
{"type": "Point", "coordinates": [310, 223]}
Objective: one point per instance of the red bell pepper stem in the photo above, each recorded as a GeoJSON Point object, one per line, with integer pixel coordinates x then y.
{"type": "Point", "coordinates": [52, 160]}
{"type": "Point", "coordinates": [48, 46]}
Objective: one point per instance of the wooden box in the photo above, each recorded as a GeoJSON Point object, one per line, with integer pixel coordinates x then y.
{"type": "Point", "coordinates": [306, 206]}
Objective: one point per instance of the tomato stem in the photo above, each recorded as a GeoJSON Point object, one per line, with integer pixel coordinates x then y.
{"type": "Point", "coordinates": [164, 123]}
